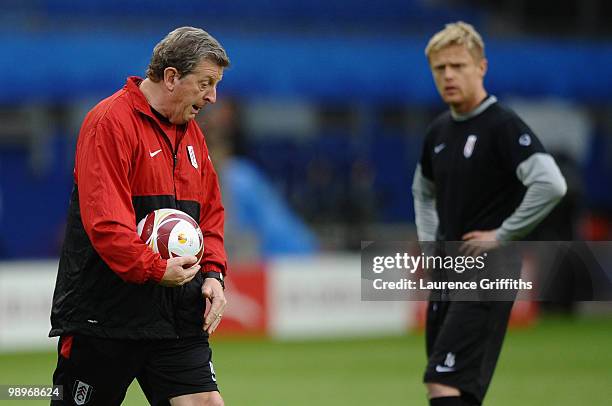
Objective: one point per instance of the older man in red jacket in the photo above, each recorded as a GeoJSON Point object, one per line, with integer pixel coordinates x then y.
{"type": "Point", "coordinates": [122, 311]}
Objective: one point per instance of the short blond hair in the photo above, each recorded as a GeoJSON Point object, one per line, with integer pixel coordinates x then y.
{"type": "Point", "coordinates": [458, 33]}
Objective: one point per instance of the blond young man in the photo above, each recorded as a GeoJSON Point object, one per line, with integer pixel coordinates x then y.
{"type": "Point", "coordinates": [483, 178]}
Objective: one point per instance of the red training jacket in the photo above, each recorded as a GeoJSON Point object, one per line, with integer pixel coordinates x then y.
{"type": "Point", "coordinates": [127, 166]}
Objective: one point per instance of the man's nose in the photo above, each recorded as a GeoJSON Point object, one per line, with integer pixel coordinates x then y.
{"type": "Point", "coordinates": [448, 72]}
{"type": "Point", "coordinates": [211, 95]}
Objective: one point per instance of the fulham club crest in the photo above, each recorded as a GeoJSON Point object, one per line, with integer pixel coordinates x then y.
{"type": "Point", "coordinates": [525, 140]}
{"type": "Point", "coordinates": [192, 156]}
{"type": "Point", "coordinates": [81, 393]}
{"type": "Point", "coordinates": [468, 149]}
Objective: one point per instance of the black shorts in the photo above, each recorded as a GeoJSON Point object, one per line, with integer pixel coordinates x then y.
{"type": "Point", "coordinates": [98, 371]}
{"type": "Point", "coordinates": [464, 340]}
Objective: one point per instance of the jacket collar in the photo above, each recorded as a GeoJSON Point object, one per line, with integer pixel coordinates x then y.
{"type": "Point", "coordinates": [138, 98]}
{"type": "Point", "coordinates": [142, 105]}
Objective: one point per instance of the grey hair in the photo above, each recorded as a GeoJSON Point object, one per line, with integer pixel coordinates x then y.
{"type": "Point", "coordinates": [183, 49]}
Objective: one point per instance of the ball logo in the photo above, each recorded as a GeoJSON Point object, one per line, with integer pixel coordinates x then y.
{"type": "Point", "coordinates": [181, 238]}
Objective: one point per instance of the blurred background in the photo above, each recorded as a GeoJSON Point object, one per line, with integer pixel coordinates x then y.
{"type": "Point", "coordinates": [315, 135]}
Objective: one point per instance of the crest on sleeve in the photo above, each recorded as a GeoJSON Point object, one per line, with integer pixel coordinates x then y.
{"type": "Point", "coordinates": [525, 140]}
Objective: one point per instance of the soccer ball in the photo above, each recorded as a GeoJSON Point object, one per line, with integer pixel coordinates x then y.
{"type": "Point", "coordinates": [172, 233]}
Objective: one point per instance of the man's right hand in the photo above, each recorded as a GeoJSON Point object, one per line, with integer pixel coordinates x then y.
{"type": "Point", "coordinates": [179, 271]}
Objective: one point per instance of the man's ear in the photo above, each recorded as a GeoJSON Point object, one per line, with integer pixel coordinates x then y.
{"type": "Point", "coordinates": [171, 75]}
{"type": "Point", "coordinates": [483, 65]}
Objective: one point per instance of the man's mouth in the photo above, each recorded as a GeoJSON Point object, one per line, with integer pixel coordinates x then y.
{"type": "Point", "coordinates": [196, 108]}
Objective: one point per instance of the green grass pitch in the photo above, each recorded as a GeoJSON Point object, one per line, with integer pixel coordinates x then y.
{"type": "Point", "coordinates": [559, 362]}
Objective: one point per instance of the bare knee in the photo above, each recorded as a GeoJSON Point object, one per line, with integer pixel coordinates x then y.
{"type": "Point", "coordinates": [214, 399]}
{"type": "Point", "coordinates": [438, 390]}
{"type": "Point", "coordinates": [198, 399]}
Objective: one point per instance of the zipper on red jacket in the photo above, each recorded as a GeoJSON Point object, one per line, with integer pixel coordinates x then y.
{"type": "Point", "coordinates": [174, 170]}
{"type": "Point", "coordinates": [177, 139]}
{"type": "Point", "coordinates": [178, 295]}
